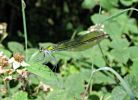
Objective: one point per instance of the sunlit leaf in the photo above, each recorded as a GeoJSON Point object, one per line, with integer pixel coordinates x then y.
{"type": "Point", "coordinates": [119, 94]}
{"type": "Point", "coordinates": [109, 4]}
{"type": "Point", "coordinates": [45, 73]}
{"type": "Point", "coordinates": [15, 47]}
{"type": "Point", "coordinates": [127, 2]}
{"type": "Point", "coordinates": [88, 4]}
{"type": "Point", "coordinates": [132, 81]}
{"type": "Point", "coordinates": [20, 95]}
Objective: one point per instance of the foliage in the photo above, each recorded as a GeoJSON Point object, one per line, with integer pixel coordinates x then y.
{"type": "Point", "coordinates": [70, 76]}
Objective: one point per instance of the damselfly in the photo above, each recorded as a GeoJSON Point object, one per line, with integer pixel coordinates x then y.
{"type": "Point", "coordinates": [92, 36]}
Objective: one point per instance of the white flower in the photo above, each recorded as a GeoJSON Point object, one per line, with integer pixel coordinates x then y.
{"type": "Point", "coordinates": [45, 87]}
{"type": "Point", "coordinates": [8, 78]}
{"type": "Point", "coordinates": [97, 27]}
{"type": "Point", "coordinates": [17, 64]}
{"type": "Point", "coordinates": [23, 72]}
{"type": "Point", "coordinates": [1, 70]}
{"type": "Point", "coordinates": [1, 53]}
{"type": "Point", "coordinates": [3, 60]}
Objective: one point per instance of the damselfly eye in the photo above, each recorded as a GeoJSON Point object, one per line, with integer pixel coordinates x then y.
{"type": "Point", "coordinates": [41, 49]}
{"type": "Point", "coordinates": [50, 48]}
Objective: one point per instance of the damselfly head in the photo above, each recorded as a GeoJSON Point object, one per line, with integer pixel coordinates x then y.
{"type": "Point", "coordinates": [50, 48]}
{"type": "Point", "coordinates": [47, 50]}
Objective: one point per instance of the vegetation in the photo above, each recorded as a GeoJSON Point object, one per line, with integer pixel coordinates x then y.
{"type": "Point", "coordinates": [106, 71]}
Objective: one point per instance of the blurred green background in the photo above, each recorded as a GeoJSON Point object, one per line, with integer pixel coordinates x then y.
{"type": "Point", "coordinates": [54, 21]}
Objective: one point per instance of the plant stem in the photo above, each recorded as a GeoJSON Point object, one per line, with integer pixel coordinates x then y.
{"type": "Point", "coordinates": [116, 15]}
{"type": "Point", "coordinates": [24, 25]}
{"type": "Point", "coordinates": [123, 83]}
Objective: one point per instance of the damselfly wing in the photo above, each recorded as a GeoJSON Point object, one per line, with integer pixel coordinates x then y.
{"type": "Point", "coordinates": [93, 35]}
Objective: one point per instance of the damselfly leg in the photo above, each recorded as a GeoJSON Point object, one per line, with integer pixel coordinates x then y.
{"type": "Point", "coordinates": [48, 54]}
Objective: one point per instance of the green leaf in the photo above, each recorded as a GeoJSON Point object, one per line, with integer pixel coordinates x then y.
{"type": "Point", "coordinates": [64, 55]}
{"type": "Point", "coordinates": [119, 94]}
{"type": "Point", "coordinates": [111, 26]}
{"type": "Point", "coordinates": [30, 53]}
{"type": "Point", "coordinates": [132, 80]}
{"type": "Point", "coordinates": [6, 52]}
{"type": "Point", "coordinates": [119, 43]}
{"type": "Point", "coordinates": [120, 56]}
{"type": "Point", "coordinates": [57, 95]}
{"type": "Point", "coordinates": [95, 56]}
{"type": "Point", "coordinates": [127, 2]}
{"type": "Point", "coordinates": [65, 7]}
{"type": "Point", "coordinates": [44, 73]}
{"type": "Point", "coordinates": [6, 98]}
{"type": "Point", "coordinates": [72, 69]}
{"type": "Point", "coordinates": [116, 24]}
{"type": "Point", "coordinates": [120, 49]}
{"type": "Point", "coordinates": [134, 68]}
{"type": "Point", "coordinates": [123, 19]}
{"type": "Point", "coordinates": [109, 4]}
{"type": "Point", "coordinates": [133, 27]}
{"type": "Point", "coordinates": [133, 53]}
{"type": "Point", "coordinates": [20, 95]}
{"type": "Point", "coordinates": [100, 77]}
{"type": "Point", "coordinates": [88, 4]}
{"type": "Point", "coordinates": [74, 86]}
{"type": "Point", "coordinates": [97, 18]}
{"type": "Point", "coordinates": [15, 47]}
{"type": "Point", "coordinates": [93, 97]}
